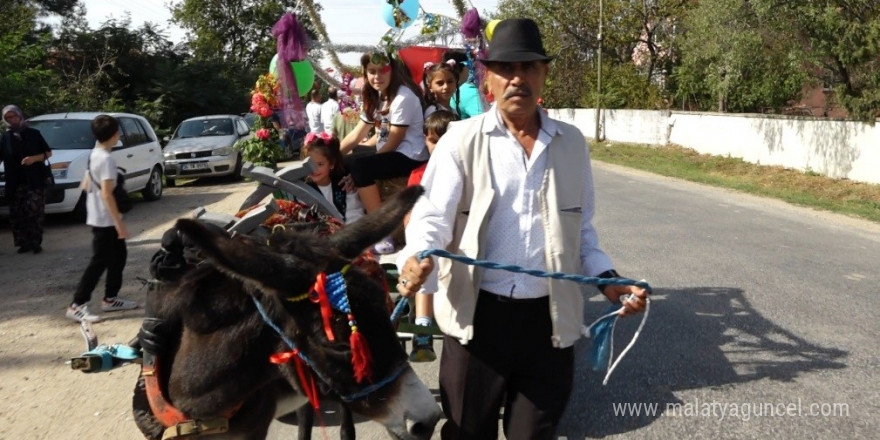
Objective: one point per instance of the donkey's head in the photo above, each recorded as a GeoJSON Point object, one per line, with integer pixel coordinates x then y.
{"type": "Point", "coordinates": [282, 274]}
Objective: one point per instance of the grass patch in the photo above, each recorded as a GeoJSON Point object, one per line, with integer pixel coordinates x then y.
{"type": "Point", "coordinates": [797, 187]}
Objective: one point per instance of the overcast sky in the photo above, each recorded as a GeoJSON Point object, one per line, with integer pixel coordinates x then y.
{"type": "Point", "coordinates": [347, 21]}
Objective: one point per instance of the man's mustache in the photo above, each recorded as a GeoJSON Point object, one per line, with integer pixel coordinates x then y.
{"type": "Point", "coordinates": [518, 91]}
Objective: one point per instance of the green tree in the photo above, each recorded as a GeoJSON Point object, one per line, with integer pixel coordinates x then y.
{"type": "Point", "coordinates": [732, 60]}
{"type": "Point", "coordinates": [743, 55]}
{"type": "Point", "coordinates": [116, 68]}
{"type": "Point", "coordinates": [84, 60]}
{"type": "Point", "coordinates": [109, 68]}
{"type": "Point", "coordinates": [630, 28]}
{"type": "Point", "coordinates": [197, 87]}
{"type": "Point", "coordinates": [840, 43]}
{"type": "Point", "coordinates": [235, 32]}
{"type": "Point", "coordinates": [656, 22]}
{"type": "Point", "coordinates": [44, 8]}
{"type": "Point", "coordinates": [23, 68]}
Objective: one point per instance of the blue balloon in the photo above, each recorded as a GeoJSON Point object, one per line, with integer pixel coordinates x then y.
{"type": "Point", "coordinates": [409, 7]}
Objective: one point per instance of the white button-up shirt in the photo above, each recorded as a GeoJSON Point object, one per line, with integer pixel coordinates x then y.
{"type": "Point", "coordinates": [515, 234]}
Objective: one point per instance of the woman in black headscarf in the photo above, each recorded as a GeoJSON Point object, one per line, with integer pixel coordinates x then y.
{"type": "Point", "coordinates": [23, 152]}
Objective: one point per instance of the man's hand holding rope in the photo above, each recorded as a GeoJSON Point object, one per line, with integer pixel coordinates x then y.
{"type": "Point", "coordinates": [632, 298]}
{"type": "Point", "coordinates": [413, 275]}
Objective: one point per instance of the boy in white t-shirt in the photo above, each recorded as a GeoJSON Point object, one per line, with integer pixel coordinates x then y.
{"type": "Point", "coordinates": [108, 230]}
{"type": "Point", "coordinates": [329, 109]}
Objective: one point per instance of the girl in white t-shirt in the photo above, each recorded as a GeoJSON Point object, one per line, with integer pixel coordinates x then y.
{"type": "Point", "coordinates": [392, 104]}
{"type": "Point", "coordinates": [328, 171]}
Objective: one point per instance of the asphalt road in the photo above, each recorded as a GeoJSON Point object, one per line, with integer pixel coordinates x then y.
{"type": "Point", "coordinates": [762, 323]}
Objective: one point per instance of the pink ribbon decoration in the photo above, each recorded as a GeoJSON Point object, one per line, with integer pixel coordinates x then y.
{"type": "Point", "coordinates": [327, 137]}
{"type": "Point", "coordinates": [429, 64]}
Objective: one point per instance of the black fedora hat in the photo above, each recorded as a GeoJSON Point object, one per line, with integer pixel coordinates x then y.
{"type": "Point", "coordinates": [516, 40]}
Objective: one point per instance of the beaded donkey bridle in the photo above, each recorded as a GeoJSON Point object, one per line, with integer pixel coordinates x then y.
{"type": "Point", "coordinates": [329, 292]}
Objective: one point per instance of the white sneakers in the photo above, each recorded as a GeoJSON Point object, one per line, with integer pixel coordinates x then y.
{"type": "Point", "coordinates": [118, 303]}
{"type": "Point", "coordinates": [81, 313]}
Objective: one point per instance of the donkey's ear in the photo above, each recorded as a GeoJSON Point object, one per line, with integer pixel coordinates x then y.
{"type": "Point", "coordinates": [245, 259]}
{"type": "Point", "coordinates": [353, 239]}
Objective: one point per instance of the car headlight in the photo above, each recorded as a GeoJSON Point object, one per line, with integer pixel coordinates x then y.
{"type": "Point", "coordinates": [222, 151]}
{"type": "Point", "coordinates": [59, 169]}
{"type": "Point", "coordinates": [168, 154]}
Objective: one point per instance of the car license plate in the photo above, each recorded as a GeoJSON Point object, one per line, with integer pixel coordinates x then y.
{"type": "Point", "coordinates": [194, 166]}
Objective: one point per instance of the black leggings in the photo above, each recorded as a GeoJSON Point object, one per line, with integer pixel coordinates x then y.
{"type": "Point", "coordinates": [27, 209]}
{"type": "Point", "coordinates": [366, 167]}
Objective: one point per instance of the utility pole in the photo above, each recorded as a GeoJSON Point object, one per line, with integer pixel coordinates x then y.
{"type": "Point", "coordinates": [599, 77]}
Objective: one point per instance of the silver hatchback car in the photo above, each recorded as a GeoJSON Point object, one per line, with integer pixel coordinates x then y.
{"type": "Point", "coordinates": [203, 146]}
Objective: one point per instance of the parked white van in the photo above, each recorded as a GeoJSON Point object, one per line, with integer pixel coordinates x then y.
{"type": "Point", "coordinates": [138, 156]}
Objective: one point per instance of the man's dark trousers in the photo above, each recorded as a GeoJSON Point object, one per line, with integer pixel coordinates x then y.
{"type": "Point", "coordinates": [510, 362]}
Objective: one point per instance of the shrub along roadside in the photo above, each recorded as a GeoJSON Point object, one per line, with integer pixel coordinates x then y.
{"type": "Point", "coordinates": [800, 188]}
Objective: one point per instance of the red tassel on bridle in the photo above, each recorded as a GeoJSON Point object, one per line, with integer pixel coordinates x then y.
{"type": "Point", "coordinates": [361, 358]}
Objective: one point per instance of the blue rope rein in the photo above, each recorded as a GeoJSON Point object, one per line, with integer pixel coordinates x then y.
{"type": "Point", "coordinates": [402, 303]}
{"type": "Point", "coordinates": [587, 331]}
{"type": "Point", "coordinates": [620, 281]}
{"type": "Point", "coordinates": [288, 341]}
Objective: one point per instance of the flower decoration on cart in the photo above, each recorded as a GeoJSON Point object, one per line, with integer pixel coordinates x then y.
{"type": "Point", "coordinates": [264, 147]}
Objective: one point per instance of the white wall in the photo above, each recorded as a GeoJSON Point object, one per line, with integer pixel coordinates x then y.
{"type": "Point", "coordinates": [838, 149]}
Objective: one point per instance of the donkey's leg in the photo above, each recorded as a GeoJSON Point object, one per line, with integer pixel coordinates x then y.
{"type": "Point", "coordinates": [305, 419]}
{"type": "Point", "coordinates": [346, 423]}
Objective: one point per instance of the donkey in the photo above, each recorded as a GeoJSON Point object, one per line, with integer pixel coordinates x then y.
{"type": "Point", "coordinates": [217, 378]}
